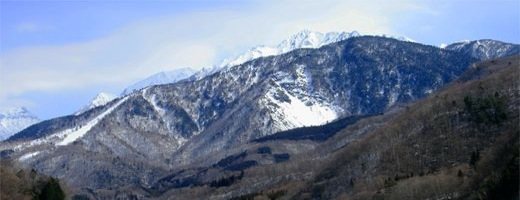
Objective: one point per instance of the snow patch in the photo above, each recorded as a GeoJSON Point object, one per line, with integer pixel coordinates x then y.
{"type": "Point", "coordinates": [28, 155]}
{"type": "Point", "coordinates": [71, 135]}
{"type": "Point", "coordinates": [298, 114]}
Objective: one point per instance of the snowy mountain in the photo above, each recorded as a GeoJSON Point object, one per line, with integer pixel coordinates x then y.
{"type": "Point", "coordinates": [136, 147]}
{"type": "Point", "coordinates": [160, 78]}
{"type": "Point", "coordinates": [99, 100]}
{"type": "Point", "coordinates": [186, 123]}
{"type": "Point", "coordinates": [14, 120]}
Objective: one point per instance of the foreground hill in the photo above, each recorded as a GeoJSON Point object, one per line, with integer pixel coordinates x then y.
{"type": "Point", "coordinates": [461, 143]}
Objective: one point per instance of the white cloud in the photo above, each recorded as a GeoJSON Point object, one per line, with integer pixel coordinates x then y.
{"type": "Point", "coordinates": [30, 27]}
{"type": "Point", "coordinates": [195, 39]}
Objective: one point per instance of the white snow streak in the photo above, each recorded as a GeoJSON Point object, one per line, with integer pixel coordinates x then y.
{"type": "Point", "coordinates": [71, 135]}
{"type": "Point", "coordinates": [28, 155]}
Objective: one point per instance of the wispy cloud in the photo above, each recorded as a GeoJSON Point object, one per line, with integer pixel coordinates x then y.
{"type": "Point", "coordinates": [31, 27]}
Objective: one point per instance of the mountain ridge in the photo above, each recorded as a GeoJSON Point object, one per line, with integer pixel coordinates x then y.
{"type": "Point", "coordinates": [484, 49]}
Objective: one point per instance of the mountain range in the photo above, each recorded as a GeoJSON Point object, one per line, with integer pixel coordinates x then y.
{"type": "Point", "coordinates": [251, 117]}
{"type": "Point", "coordinates": [302, 39]}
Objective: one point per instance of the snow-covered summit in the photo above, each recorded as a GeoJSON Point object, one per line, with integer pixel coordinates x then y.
{"type": "Point", "coordinates": [160, 78]}
{"type": "Point", "coordinates": [302, 39]}
{"type": "Point", "coordinates": [13, 120]}
{"type": "Point", "coordinates": [313, 39]}
{"type": "Point", "coordinates": [100, 99]}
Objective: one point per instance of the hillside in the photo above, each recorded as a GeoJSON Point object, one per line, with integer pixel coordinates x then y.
{"type": "Point", "coordinates": [461, 142]}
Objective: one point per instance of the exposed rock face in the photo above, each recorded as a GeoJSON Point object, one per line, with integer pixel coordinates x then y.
{"type": "Point", "coordinates": [164, 127]}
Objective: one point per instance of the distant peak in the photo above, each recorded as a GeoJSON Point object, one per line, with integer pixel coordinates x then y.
{"type": "Point", "coordinates": [100, 99]}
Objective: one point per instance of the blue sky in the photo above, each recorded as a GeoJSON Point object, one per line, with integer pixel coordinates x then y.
{"type": "Point", "coordinates": [56, 55]}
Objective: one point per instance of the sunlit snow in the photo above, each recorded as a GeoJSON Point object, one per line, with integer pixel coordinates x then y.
{"type": "Point", "coordinates": [297, 114]}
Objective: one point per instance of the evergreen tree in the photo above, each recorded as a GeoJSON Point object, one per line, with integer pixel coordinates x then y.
{"type": "Point", "coordinates": [52, 191]}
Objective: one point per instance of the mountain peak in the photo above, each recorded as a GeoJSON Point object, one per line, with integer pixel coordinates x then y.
{"type": "Point", "coordinates": [100, 99]}
{"type": "Point", "coordinates": [103, 98]}
{"type": "Point", "coordinates": [313, 39]}
{"type": "Point", "coordinates": [15, 119]}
